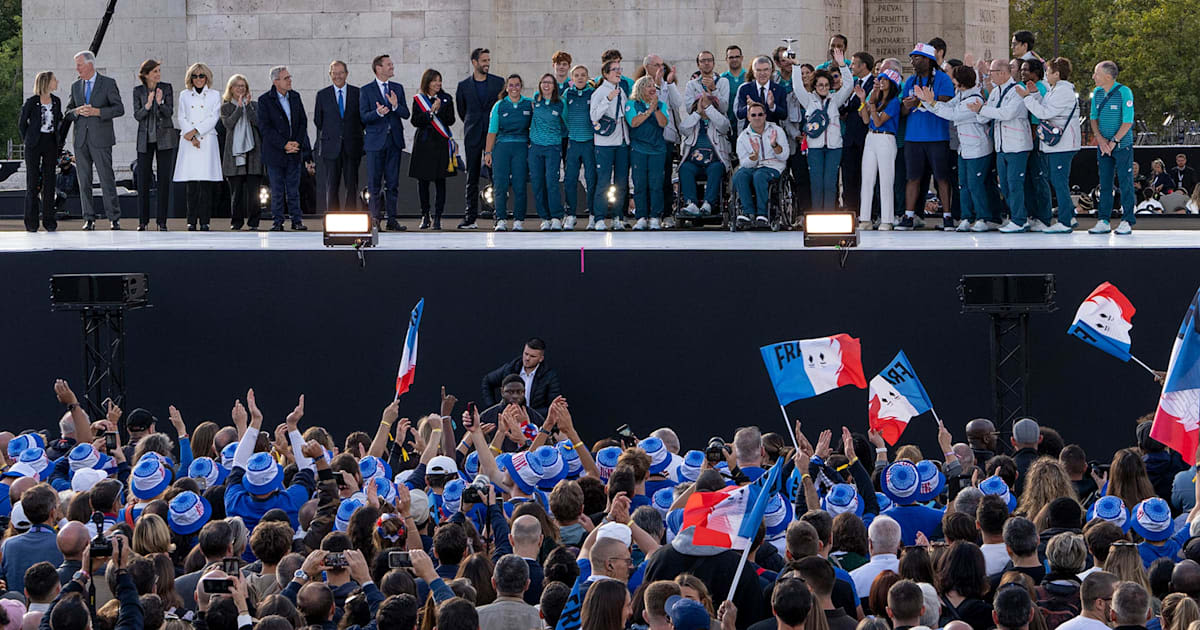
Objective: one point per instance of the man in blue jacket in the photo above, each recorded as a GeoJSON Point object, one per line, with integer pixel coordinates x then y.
{"type": "Point", "coordinates": [474, 99]}
{"type": "Point", "coordinates": [339, 138]}
{"type": "Point", "coordinates": [256, 484]}
{"type": "Point", "coordinates": [382, 108]}
{"type": "Point", "coordinates": [284, 128]}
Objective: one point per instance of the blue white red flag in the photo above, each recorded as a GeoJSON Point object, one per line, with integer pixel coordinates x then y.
{"type": "Point", "coordinates": [1104, 321]}
{"type": "Point", "coordinates": [408, 360]}
{"type": "Point", "coordinates": [1177, 421]}
{"type": "Point", "coordinates": [811, 367]}
{"type": "Point", "coordinates": [896, 395]}
{"type": "Point", "coordinates": [730, 517]}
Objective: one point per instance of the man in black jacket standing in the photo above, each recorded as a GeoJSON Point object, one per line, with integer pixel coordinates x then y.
{"type": "Point", "coordinates": [339, 138]}
{"type": "Point", "coordinates": [474, 99]}
{"type": "Point", "coordinates": [541, 383]}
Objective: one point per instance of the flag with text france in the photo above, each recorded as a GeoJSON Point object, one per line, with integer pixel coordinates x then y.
{"type": "Point", "coordinates": [896, 395]}
{"type": "Point", "coordinates": [811, 367]}
{"type": "Point", "coordinates": [1104, 321]}
{"type": "Point", "coordinates": [1177, 421]}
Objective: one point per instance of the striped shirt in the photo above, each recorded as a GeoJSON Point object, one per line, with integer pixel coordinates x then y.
{"type": "Point", "coordinates": [579, 121]}
{"type": "Point", "coordinates": [548, 128]}
{"type": "Point", "coordinates": [1117, 111]}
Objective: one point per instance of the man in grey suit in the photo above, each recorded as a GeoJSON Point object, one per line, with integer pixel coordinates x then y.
{"type": "Point", "coordinates": [95, 101]}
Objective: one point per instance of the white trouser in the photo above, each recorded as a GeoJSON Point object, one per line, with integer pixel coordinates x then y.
{"type": "Point", "coordinates": [879, 157]}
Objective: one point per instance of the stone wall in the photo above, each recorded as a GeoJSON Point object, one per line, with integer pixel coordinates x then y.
{"type": "Point", "coordinates": [251, 36]}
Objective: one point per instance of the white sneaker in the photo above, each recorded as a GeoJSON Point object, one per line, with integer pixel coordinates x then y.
{"type": "Point", "coordinates": [1058, 228]}
{"type": "Point", "coordinates": [556, 225]}
{"type": "Point", "coordinates": [598, 226]}
{"type": "Point", "coordinates": [980, 226]}
{"type": "Point", "coordinates": [668, 223]}
{"type": "Point", "coordinates": [992, 226]}
{"type": "Point", "coordinates": [864, 226]}
{"type": "Point", "coordinates": [656, 224]}
{"type": "Point", "coordinates": [1012, 228]}
{"type": "Point", "coordinates": [691, 209]}
{"type": "Point", "coordinates": [706, 208]}
{"type": "Point", "coordinates": [545, 226]}
{"type": "Point", "coordinates": [1036, 225]}
{"type": "Point", "coordinates": [518, 225]}
{"type": "Point", "coordinates": [1101, 227]}
{"type": "Point", "coordinates": [1124, 228]}
{"type": "Point", "coordinates": [1074, 222]}
{"type": "Point", "coordinates": [501, 226]}
{"type": "Point", "coordinates": [640, 225]}
{"type": "Point", "coordinates": [885, 227]}
{"type": "Point", "coordinates": [618, 224]}
{"type": "Point", "coordinates": [591, 223]}
{"type": "Point", "coordinates": [918, 222]}
{"type": "Point", "coordinates": [963, 226]}
{"type": "Point", "coordinates": [569, 223]}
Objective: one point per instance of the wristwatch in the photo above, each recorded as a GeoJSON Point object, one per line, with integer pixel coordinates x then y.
{"type": "Point", "coordinates": [300, 575]}
{"type": "Point", "coordinates": [80, 575]}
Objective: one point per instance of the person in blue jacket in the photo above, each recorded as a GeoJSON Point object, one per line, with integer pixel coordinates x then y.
{"type": "Point", "coordinates": [546, 133]}
{"type": "Point", "coordinates": [256, 483]}
{"type": "Point", "coordinates": [507, 152]}
{"type": "Point", "coordinates": [647, 116]}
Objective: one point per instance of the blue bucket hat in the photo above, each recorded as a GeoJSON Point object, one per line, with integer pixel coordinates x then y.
{"type": "Point", "coordinates": [1152, 519]}
{"type": "Point", "coordinates": [778, 515]}
{"type": "Point", "coordinates": [660, 457]}
{"type": "Point", "coordinates": [85, 455]}
{"type": "Point", "coordinates": [384, 489]}
{"type": "Point", "coordinates": [885, 503]}
{"type": "Point", "coordinates": [371, 467]}
{"type": "Point", "coordinates": [843, 498]}
{"type": "Point", "coordinates": [662, 500]}
{"type": "Point", "coordinates": [263, 474]}
{"type": "Point", "coordinates": [995, 485]}
{"type": "Point", "coordinates": [204, 468]}
{"type": "Point", "coordinates": [19, 444]}
{"type": "Point", "coordinates": [150, 477]}
{"type": "Point", "coordinates": [452, 496]}
{"type": "Point", "coordinates": [570, 456]}
{"type": "Point", "coordinates": [342, 521]}
{"type": "Point", "coordinates": [901, 482]}
{"type": "Point", "coordinates": [227, 456]}
{"type": "Point", "coordinates": [554, 469]}
{"type": "Point", "coordinates": [689, 470]}
{"type": "Point", "coordinates": [1112, 509]}
{"type": "Point", "coordinates": [470, 467]}
{"type": "Point", "coordinates": [932, 481]}
{"type": "Point", "coordinates": [606, 461]}
{"type": "Point", "coordinates": [35, 458]}
{"type": "Point", "coordinates": [525, 471]}
{"type": "Point", "coordinates": [188, 512]}
{"type": "Point", "coordinates": [674, 523]}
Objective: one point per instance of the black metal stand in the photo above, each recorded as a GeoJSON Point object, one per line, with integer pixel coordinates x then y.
{"type": "Point", "coordinates": [1009, 366]}
{"type": "Point", "coordinates": [103, 357]}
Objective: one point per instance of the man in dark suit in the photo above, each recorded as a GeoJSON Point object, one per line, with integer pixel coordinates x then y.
{"type": "Point", "coordinates": [474, 98]}
{"type": "Point", "coordinates": [382, 108]}
{"type": "Point", "coordinates": [854, 130]}
{"type": "Point", "coordinates": [285, 151]}
{"type": "Point", "coordinates": [541, 383]}
{"type": "Point", "coordinates": [95, 101]}
{"type": "Point", "coordinates": [762, 89]}
{"type": "Point", "coordinates": [339, 138]}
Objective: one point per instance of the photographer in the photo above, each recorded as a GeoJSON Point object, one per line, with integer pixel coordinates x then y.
{"type": "Point", "coordinates": [71, 611]}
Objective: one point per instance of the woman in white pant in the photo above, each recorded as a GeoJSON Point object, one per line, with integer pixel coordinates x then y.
{"type": "Point", "coordinates": [198, 160]}
{"type": "Point", "coordinates": [881, 113]}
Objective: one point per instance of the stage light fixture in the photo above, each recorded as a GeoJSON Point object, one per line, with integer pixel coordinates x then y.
{"type": "Point", "coordinates": [353, 229]}
{"type": "Point", "coordinates": [487, 200]}
{"type": "Point", "coordinates": [830, 229]}
{"type": "Point", "coordinates": [365, 195]}
{"type": "Point", "coordinates": [264, 197]}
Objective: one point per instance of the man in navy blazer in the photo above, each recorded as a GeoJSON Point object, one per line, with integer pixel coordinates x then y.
{"type": "Point", "coordinates": [284, 129]}
{"type": "Point", "coordinates": [382, 108]}
{"type": "Point", "coordinates": [474, 99]}
{"type": "Point", "coordinates": [762, 90]}
{"type": "Point", "coordinates": [339, 138]}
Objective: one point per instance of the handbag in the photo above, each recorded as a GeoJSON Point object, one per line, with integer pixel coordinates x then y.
{"type": "Point", "coordinates": [817, 122]}
{"type": "Point", "coordinates": [607, 124]}
{"type": "Point", "coordinates": [1051, 135]}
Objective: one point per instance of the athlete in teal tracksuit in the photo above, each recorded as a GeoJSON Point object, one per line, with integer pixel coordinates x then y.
{"type": "Point", "coordinates": [581, 148]}
{"type": "Point", "coordinates": [647, 116]}
{"type": "Point", "coordinates": [546, 134]}
{"type": "Point", "coordinates": [507, 151]}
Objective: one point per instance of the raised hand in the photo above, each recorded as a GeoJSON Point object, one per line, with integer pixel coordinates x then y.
{"type": "Point", "coordinates": [149, 101]}
{"type": "Point", "coordinates": [158, 95]}
{"type": "Point", "coordinates": [372, 495]}
{"type": "Point", "coordinates": [255, 415]}
{"type": "Point", "coordinates": [448, 400]}
{"type": "Point", "coordinates": [876, 438]}
{"type": "Point", "coordinates": [802, 441]}
{"type": "Point", "coordinates": [64, 393]}
{"type": "Point", "coordinates": [312, 449]}
{"type": "Point", "coordinates": [839, 56]}
{"type": "Point", "coordinates": [381, 109]}
{"type": "Point", "coordinates": [390, 412]}
{"type": "Point", "coordinates": [293, 419]}
{"type": "Point", "coordinates": [392, 98]}
{"type": "Point", "coordinates": [113, 414]}
{"type": "Point", "coordinates": [176, 420]}
{"type": "Point", "coordinates": [770, 99]}
{"type": "Point", "coordinates": [823, 451]}
{"type": "Point", "coordinates": [238, 413]}
{"type": "Point", "coordinates": [860, 93]}
{"type": "Point", "coordinates": [847, 443]}
{"type": "Point", "coordinates": [437, 104]}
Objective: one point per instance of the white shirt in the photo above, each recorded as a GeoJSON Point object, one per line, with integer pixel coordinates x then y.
{"type": "Point", "coordinates": [47, 117]}
{"type": "Point", "coordinates": [863, 576]}
{"type": "Point", "coordinates": [1082, 623]}
{"type": "Point", "coordinates": [996, 557]}
{"type": "Point", "coordinates": [1088, 572]}
{"type": "Point", "coordinates": [527, 377]}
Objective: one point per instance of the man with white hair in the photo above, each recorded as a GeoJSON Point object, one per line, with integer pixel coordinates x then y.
{"type": "Point", "coordinates": [668, 90]}
{"type": "Point", "coordinates": [748, 449]}
{"type": "Point", "coordinates": [95, 101]}
{"type": "Point", "coordinates": [671, 441]}
{"type": "Point", "coordinates": [285, 146]}
{"type": "Point", "coordinates": [884, 540]}
{"type": "Point", "coordinates": [1130, 605]}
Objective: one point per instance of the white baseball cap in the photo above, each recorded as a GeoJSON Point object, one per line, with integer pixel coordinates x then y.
{"type": "Point", "coordinates": [441, 465]}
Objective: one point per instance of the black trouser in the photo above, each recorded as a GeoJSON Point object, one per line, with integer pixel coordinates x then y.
{"type": "Point", "coordinates": [199, 202]}
{"type": "Point", "coordinates": [439, 185]}
{"type": "Point", "coordinates": [474, 158]}
{"type": "Point", "coordinates": [851, 175]}
{"type": "Point", "coordinates": [243, 199]}
{"type": "Point", "coordinates": [166, 167]}
{"type": "Point", "coordinates": [342, 171]}
{"type": "Point", "coordinates": [801, 192]}
{"type": "Point", "coordinates": [40, 164]}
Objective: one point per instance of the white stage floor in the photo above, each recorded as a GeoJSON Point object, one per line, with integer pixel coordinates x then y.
{"type": "Point", "coordinates": [130, 240]}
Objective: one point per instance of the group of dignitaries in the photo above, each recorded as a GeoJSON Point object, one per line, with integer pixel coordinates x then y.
{"type": "Point", "coordinates": [995, 139]}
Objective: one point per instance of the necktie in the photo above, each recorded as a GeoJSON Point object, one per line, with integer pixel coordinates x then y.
{"type": "Point", "coordinates": [87, 92]}
{"type": "Point", "coordinates": [341, 104]}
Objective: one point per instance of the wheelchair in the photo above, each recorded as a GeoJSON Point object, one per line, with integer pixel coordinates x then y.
{"type": "Point", "coordinates": [781, 203]}
{"type": "Point", "coordinates": [719, 216]}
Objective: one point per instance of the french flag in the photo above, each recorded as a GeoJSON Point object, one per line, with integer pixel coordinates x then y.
{"type": "Point", "coordinates": [1177, 420]}
{"type": "Point", "coordinates": [730, 517]}
{"type": "Point", "coordinates": [811, 367]}
{"type": "Point", "coordinates": [896, 396]}
{"type": "Point", "coordinates": [408, 360]}
{"type": "Point", "coordinates": [1104, 321]}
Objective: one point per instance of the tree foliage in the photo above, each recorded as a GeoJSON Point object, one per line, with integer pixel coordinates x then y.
{"type": "Point", "coordinates": [10, 68]}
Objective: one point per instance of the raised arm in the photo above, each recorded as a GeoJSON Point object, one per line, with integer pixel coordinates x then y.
{"type": "Point", "coordinates": [380, 442]}
{"type": "Point", "coordinates": [566, 426]}
{"type": "Point", "coordinates": [83, 428]}
{"type": "Point", "coordinates": [487, 459]}
{"type": "Point", "coordinates": [245, 447]}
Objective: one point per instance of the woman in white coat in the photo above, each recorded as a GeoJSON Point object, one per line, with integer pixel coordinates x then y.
{"type": "Point", "coordinates": [1058, 134]}
{"type": "Point", "coordinates": [198, 162]}
{"type": "Point", "coordinates": [823, 127]}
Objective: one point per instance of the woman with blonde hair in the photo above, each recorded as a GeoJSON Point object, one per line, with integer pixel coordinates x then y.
{"type": "Point", "coordinates": [647, 116]}
{"type": "Point", "coordinates": [1179, 612]}
{"type": "Point", "coordinates": [241, 163]}
{"type": "Point", "coordinates": [41, 117]}
{"type": "Point", "coordinates": [151, 535]}
{"type": "Point", "coordinates": [157, 138]}
{"type": "Point", "coordinates": [1125, 562]}
{"type": "Point", "coordinates": [692, 587]}
{"type": "Point", "coordinates": [1045, 481]}
{"type": "Point", "coordinates": [198, 162]}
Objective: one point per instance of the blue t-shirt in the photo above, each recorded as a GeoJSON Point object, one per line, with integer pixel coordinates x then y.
{"type": "Point", "coordinates": [922, 125]}
{"type": "Point", "coordinates": [481, 90]}
{"type": "Point", "coordinates": [892, 125]}
{"type": "Point", "coordinates": [916, 518]}
{"type": "Point", "coordinates": [647, 137]}
{"type": "Point", "coordinates": [654, 485]}
{"type": "Point", "coordinates": [510, 121]}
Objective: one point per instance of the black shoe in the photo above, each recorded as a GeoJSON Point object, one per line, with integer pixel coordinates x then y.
{"type": "Point", "coordinates": [905, 224]}
{"type": "Point", "coordinates": [191, 227]}
{"type": "Point", "coordinates": [31, 231]}
{"type": "Point", "coordinates": [204, 227]}
{"type": "Point", "coordinates": [487, 214]}
{"type": "Point", "coordinates": [467, 225]}
{"type": "Point", "coordinates": [299, 227]}
{"type": "Point", "coordinates": [52, 229]}
{"type": "Point", "coordinates": [89, 225]}
{"type": "Point", "coordinates": [425, 222]}
{"type": "Point", "coordinates": [141, 227]}
{"type": "Point", "coordinates": [761, 222]}
{"type": "Point", "coordinates": [116, 225]}
{"type": "Point", "coordinates": [437, 223]}
{"type": "Point", "coordinates": [278, 227]}
{"type": "Point", "coordinates": [394, 226]}
{"type": "Point", "coordinates": [236, 227]}
{"type": "Point", "coordinates": [162, 227]}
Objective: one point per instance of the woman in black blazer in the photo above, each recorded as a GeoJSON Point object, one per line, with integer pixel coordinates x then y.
{"type": "Point", "coordinates": [41, 119]}
{"type": "Point", "coordinates": [154, 109]}
{"type": "Point", "coordinates": [431, 152]}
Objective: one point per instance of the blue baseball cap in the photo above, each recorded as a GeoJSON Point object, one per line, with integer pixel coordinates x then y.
{"type": "Point", "coordinates": [660, 457]}
{"type": "Point", "coordinates": [901, 482]}
{"type": "Point", "coordinates": [687, 614]}
{"type": "Point", "coordinates": [931, 479]}
{"type": "Point", "coordinates": [689, 470]}
{"type": "Point", "coordinates": [188, 512]}
{"type": "Point", "coordinates": [842, 498]}
{"type": "Point", "coordinates": [207, 470]}
{"type": "Point", "coordinates": [1112, 509]}
{"type": "Point", "coordinates": [263, 474]}
{"type": "Point", "coordinates": [1152, 519]}
{"type": "Point", "coordinates": [150, 477]}
{"type": "Point", "coordinates": [995, 485]}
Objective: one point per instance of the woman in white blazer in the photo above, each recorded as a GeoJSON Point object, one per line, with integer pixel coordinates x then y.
{"type": "Point", "coordinates": [198, 162]}
{"type": "Point", "coordinates": [1058, 110]}
{"type": "Point", "coordinates": [823, 127]}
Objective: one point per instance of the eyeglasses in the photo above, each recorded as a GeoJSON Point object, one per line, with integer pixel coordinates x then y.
{"type": "Point", "coordinates": [199, 76]}
{"type": "Point", "coordinates": [759, 115]}
{"type": "Point", "coordinates": [707, 60]}
{"type": "Point", "coordinates": [734, 57]}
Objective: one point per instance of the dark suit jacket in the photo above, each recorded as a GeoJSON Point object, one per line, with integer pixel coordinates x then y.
{"type": "Point", "coordinates": [167, 136]}
{"type": "Point", "coordinates": [29, 125]}
{"type": "Point", "coordinates": [854, 130]}
{"type": "Point", "coordinates": [544, 390]}
{"type": "Point", "coordinates": [276, 131]}
{"type": "Point", "coordinates": [96, 131]}
{"type": "Point", "coordinates": [473, 112]}
{"type": "Point", "coordinates": [336, 131]}
{"type": "Point", "coordinates": [381, 129]}
{"type": "Point", "coordinates": [750, 88]}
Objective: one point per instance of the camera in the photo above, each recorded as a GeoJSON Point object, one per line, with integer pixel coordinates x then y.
{"type": "Point", "coordinates": [110, 441]}
{"type": "Point", "coordinates": [336, 560]}
{"type": "Point", "coordinates": [216, 586]}
{"type": "Point", "coordinates": [477, 492]}
{"type": "Point", "coordinates": [231, 566]}
{"type": "Point", "coordinates": [100, 547]}
{"type": "Point", "coordinates": [716, 450]}
{"type": "Point", "coordinates": [399, 559]}
{"type": "Point", "coordinates": [790, 53]}
{"type": "Point", "coordinates": [625, 433]}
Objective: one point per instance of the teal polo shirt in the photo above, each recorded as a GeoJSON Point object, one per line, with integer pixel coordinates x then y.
{"type": "Point", "coordinates": [1117, 111]}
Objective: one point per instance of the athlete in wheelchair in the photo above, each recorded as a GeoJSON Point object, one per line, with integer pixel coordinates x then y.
{"type": "Point", "coordinates": [704, 150]}
{"type": "Point", "coordinates": [762, 150]}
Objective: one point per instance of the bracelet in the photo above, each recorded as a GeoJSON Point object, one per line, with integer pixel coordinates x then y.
{"type": "Point", "coordinates": [804, 477]}
{"type": "Point", "coordinates": [951, 454]}
{"type": "Point", "coordinates": [494, 449]}
{"type": "Point", "coordinates": [578, 445]}
{"type": "Point", "coordinates": [72, 406]}
{"type": "Point", "coordinates": [881, 449]}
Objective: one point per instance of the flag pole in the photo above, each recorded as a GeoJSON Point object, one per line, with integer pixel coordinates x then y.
{"type": "Point", "coordinates": [787, 423]}
{"type": "Point", "coordinates": [935, 416]}
{"type": "Point", "coordinates": [737, 576]}
{"type": "Point", "coordinates": [1148, 368]}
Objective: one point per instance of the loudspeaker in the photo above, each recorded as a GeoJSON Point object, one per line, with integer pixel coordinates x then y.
{"type": "Point", "coordinates": [77, 291]}
{"type": "Point", "coordinates": [1007, 293]}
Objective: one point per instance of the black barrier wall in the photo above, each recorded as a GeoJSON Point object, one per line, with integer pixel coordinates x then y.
{"type": "Point", "coordinates": [644, 338]}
